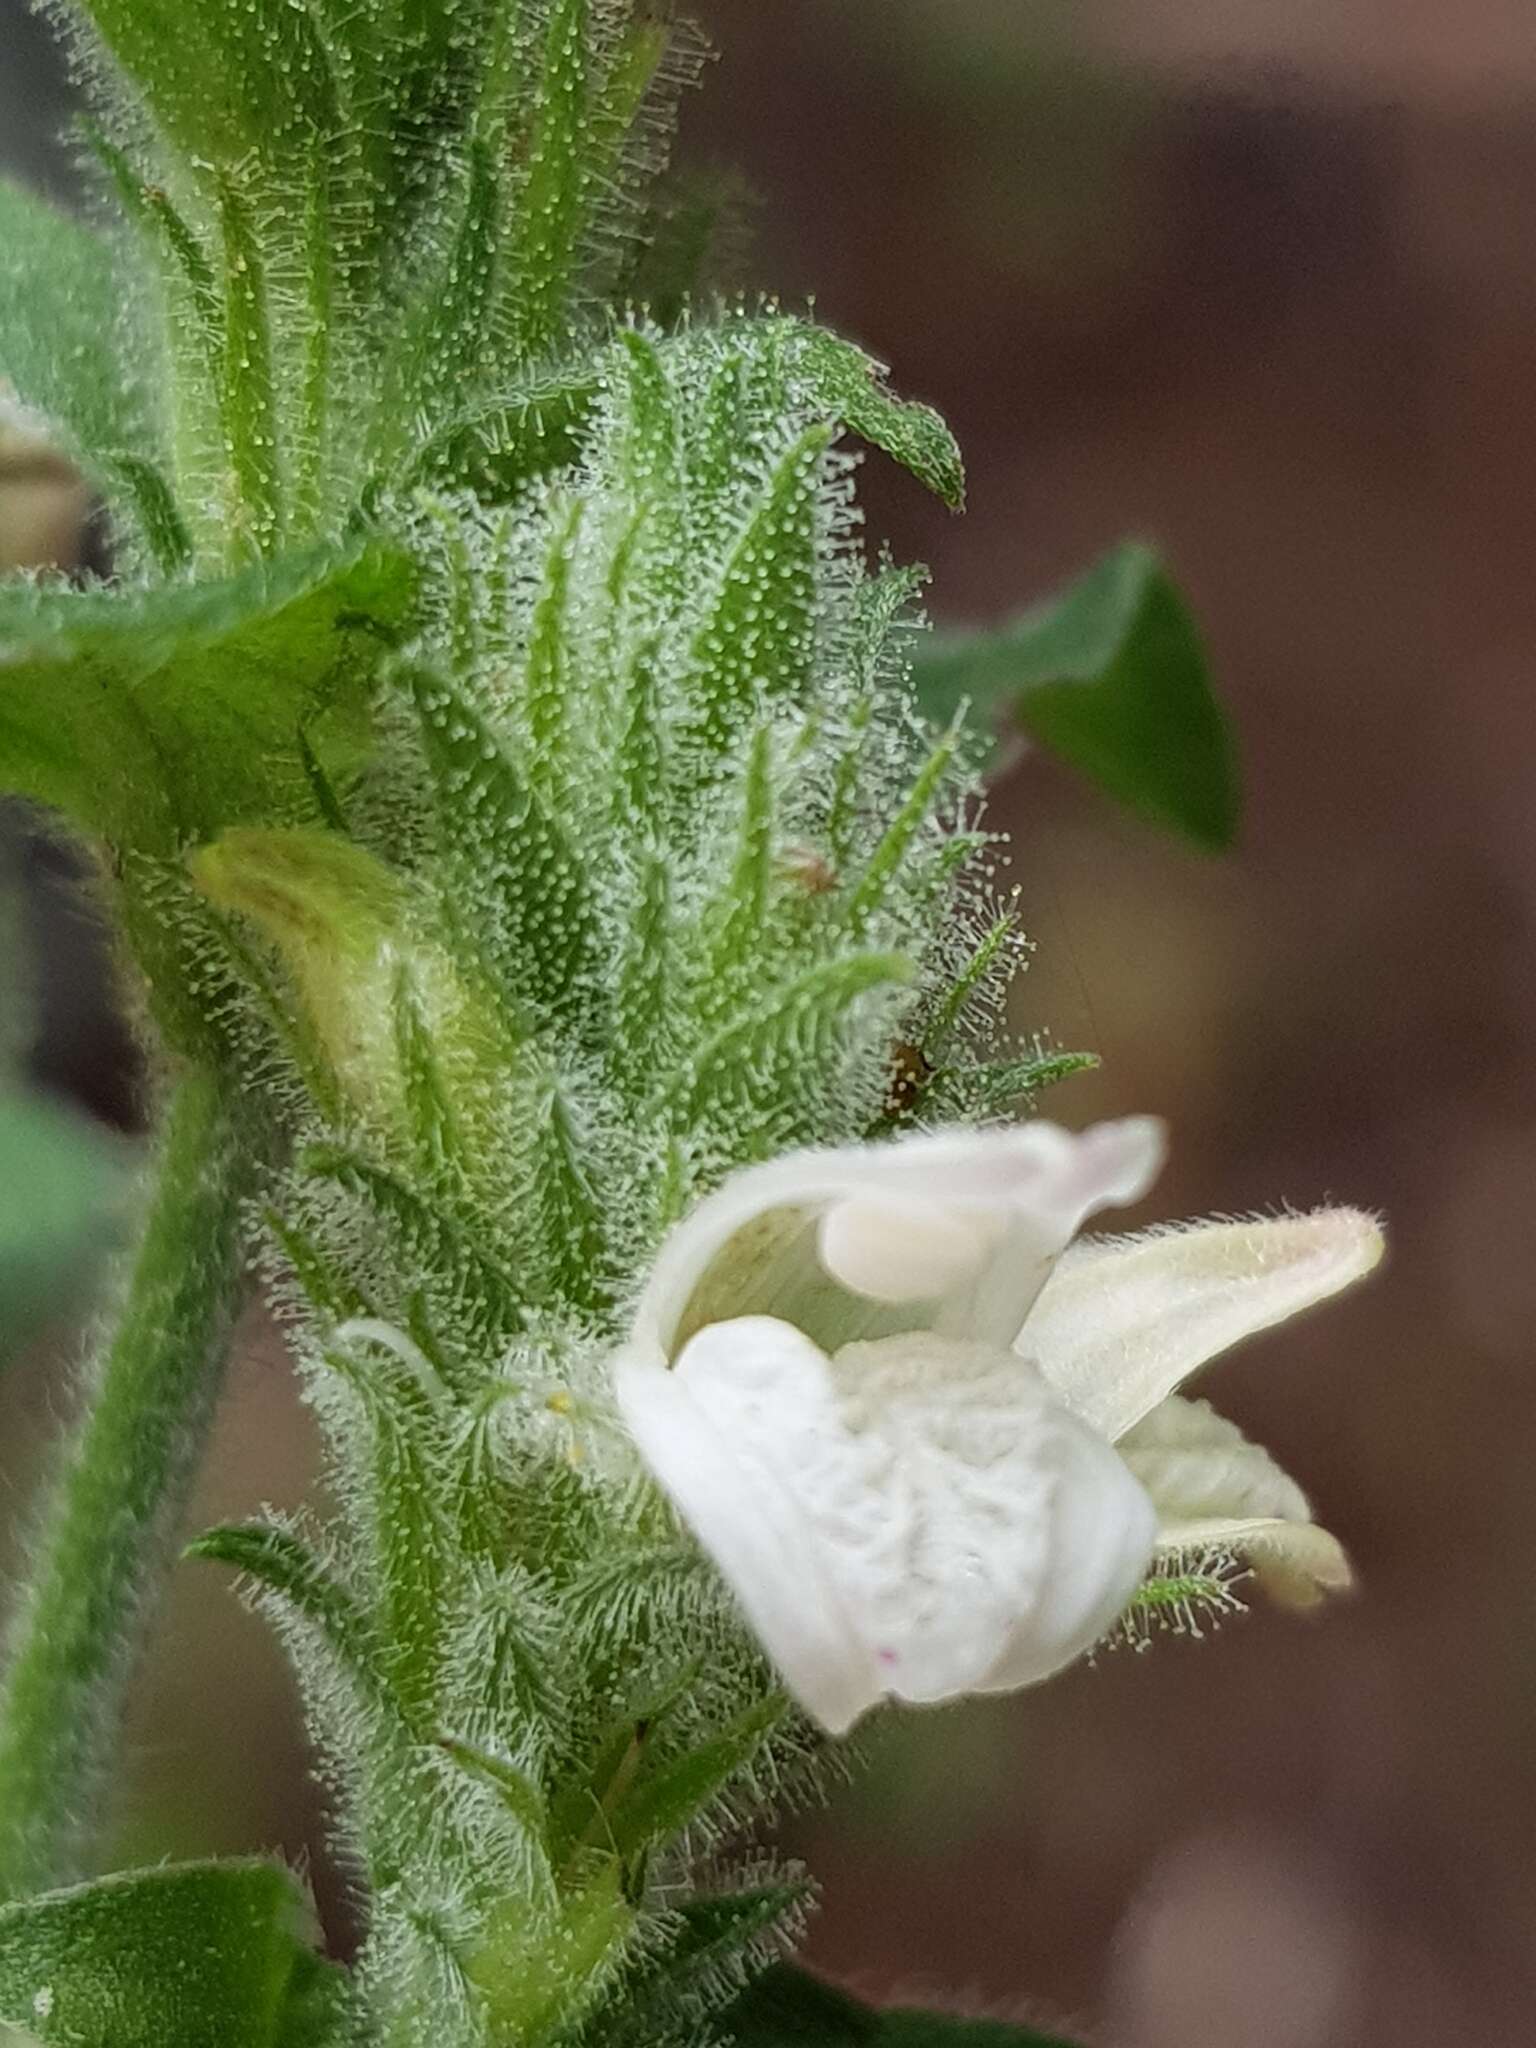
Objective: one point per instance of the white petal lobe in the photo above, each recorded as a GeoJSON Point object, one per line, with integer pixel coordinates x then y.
{"type": "Point", "coordinates": [926, 1519]}
{"type": "Point", "coordinates": [1195, 1463]}
{"type": "Point", "coordinates": [708, 1455]}
{"type": "Point", "coordinates": [1296, 1563]}
{"type": "Point", "coordinates": [1123, 1321]}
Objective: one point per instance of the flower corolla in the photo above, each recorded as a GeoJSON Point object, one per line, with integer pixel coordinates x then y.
{"type": "Point", "coordinates": [933, 1444]}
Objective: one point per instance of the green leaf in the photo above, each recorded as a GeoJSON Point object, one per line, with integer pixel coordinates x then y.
{"type": "Point", "coordinates": [65, 348]}
{"type": "Point", "coordinates": [154, 717]}
{"type": "Point", "coordinates": [788, 2008]}
{"type": "Point", "coordinates": [1112, 677]}
{"type": "Point", "coordinates": [60, 1181]}
{"type": "Point", "coordinates": [199, 1955]}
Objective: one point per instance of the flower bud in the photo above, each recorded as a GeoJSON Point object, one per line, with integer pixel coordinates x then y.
{"type": "Point", "coordinates": [412, 1043]}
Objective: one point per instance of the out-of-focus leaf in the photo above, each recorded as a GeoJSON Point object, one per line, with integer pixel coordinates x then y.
{"type": "Point", "coordinates": [63, 344]}
{"type": "Point", "coordinates": [197, 1955]}
{"type": "Point", "coordinates": [60, 1182]}
{"type": "Point", "coordinates": [159, 716]}
{"type": "Point", "coordinates": [789, 2008]}
{"type": "Point", "coordinates": [1111, 676]}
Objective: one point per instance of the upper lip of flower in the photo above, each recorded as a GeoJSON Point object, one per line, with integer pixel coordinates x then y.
{"type": "Point", "coordinates": [833, 1347]}
{"type": "Point", "coordinates": [1033, 1186]}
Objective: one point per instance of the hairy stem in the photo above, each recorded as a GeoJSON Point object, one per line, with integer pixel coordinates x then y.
{"type": "Point", "coordinates": [118, 1498]}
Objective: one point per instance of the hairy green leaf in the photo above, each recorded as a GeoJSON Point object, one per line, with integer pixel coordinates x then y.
{"type": "Point", "coordinates": [197, 1955]}
{"type": "Point", "coordinates": [154, 717]}
{"type": "Point", "coordinates": [1112, 677]}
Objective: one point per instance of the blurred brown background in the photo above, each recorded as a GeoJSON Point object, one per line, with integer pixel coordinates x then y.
{"type": "Point", "coordinates": [1258, 280]}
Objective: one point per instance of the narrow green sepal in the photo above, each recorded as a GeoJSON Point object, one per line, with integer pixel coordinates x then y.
{"type": "Point", "coordinates": [773, 1058]}
{"type": "Point", "coordinates": [665, 1801]}
{"type": "Point", "coordinates": [247, 395]}
{"type": "Point", "coordinates": [445, 331]}
{"type": "Point", "coordinates": [758, 638]}
{"type": "Point", "coordinates": [287, 1570]}
{"type": "Point", "coordinates": [1003, 1082]}
{"type": "Point", "coordinates": [486, 1296]}
{"type": "Point", "coordinates": [517, 1791]}
{"type": "Point", "coordinates": [494, 830]}
{"type": "Point", "coordinates": [252, 80]}
{"type": "Point", "coordinates": [523, 430]}
{"type": "Point", "coordinates": [552, 205]}
{"type": "Point", "coordinates": [886, 862]}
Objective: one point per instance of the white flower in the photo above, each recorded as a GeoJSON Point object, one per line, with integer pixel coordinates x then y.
{"type": "Point", "coordinates": [931, 1454]}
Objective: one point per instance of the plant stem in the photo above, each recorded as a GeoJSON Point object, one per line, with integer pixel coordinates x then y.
{"type": "Point", "coordinates": [119, 1496]}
